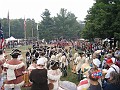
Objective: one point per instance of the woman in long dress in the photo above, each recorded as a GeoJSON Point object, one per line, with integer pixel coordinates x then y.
{"type": "Point", "coordinates": [38, 77]}
{"type": "Point", "coordinates": [54, 75]}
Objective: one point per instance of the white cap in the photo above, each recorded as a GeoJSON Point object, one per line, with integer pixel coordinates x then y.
{"type": "Point", "coordinates": [40, 61]}
{"type": "Point", "coordinates": [96, 62]}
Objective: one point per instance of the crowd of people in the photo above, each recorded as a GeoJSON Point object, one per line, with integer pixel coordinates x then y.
{"type": "Point", "coordinates": [44, 66]}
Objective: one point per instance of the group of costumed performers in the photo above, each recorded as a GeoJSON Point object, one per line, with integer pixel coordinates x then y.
{"type": "Point", "coordinates": [47, 65]}
{"type": "Point", "coordinates": [49, 54]}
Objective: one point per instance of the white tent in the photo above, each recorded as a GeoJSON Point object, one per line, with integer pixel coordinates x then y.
{"type": "Point", "coordinates": [10, 39]}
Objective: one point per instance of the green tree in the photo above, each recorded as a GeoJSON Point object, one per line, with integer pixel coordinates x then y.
{"type": "Point", "coordinates": [63, 25]}
{"type": "Point", "coordinates": [46, 26]}
{"type": "Point", "coordinates": [102, 20]}
{"type": "Point", "coordinates": [31, 31]}
{"type": "Point", "coordinates": [4, 23]}
{"type": "Point", "coordinates": [16, 28]}
{"type": "Point", "coordinates": [66, 25]}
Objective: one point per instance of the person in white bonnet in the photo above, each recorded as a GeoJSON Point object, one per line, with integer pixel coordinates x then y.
{"type": "Point", "coordinates": [42, 57]}
{"type": "Point", "coordinates": [96, 63]}
{"type": "Point", "coordinates": [38, 76]}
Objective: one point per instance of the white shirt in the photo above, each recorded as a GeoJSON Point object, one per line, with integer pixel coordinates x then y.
{"type": "Point", "coordinates": [112, 69]}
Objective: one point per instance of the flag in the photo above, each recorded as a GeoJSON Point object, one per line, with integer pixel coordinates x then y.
{"type": "Point", "coordinates": [1, 39]}
{"type": "Point", "coordinates": [24, 24]}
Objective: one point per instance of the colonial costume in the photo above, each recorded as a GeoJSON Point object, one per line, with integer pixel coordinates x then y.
{"type": "Point", "coordinates": [54, 75]}
{"type": "Point", "coordinates": [32, 66]}
{"type": "Point", "coordinates": [74, 61]}
{"type": "Point", "coordinates": [20, 57]}
{"type": "Point", "coordinates": [14, 69]}
{"type": "Point", "coordinates": [38, 77]}
{"type": "Point", "coordinates": [64, 64]}
{"type": "Point", "coordinates": [53, 57]}
{"type": "Point", "coordinates": [43, 58]}
{"type": "Point", "coordinates": [79, 61]}
{"type": "Point", "coordinates": [58, 56]}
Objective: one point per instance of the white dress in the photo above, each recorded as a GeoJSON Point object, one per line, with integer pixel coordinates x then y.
{"type": "Point", "coordinates": [55, 76]}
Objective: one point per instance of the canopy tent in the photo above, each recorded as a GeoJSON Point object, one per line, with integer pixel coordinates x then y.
{"type": "Point", "coordinates": [10, 39]}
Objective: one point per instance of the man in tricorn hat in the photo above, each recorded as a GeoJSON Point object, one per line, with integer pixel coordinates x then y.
{"type": "Point", "coordinates": [14, 69]}
{"type": "Point", "coordinates": [20, 57]}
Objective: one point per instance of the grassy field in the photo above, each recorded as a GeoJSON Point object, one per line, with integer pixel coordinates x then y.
{"type": "Point", "coordinates": [70, 76]}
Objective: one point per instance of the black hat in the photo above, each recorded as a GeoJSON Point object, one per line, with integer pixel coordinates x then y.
{"type": "Point", "coordinates": [15, 52]}
{"type": "Point", "coordinates": [54, 65]}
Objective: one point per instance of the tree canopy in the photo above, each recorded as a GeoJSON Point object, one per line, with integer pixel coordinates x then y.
{"type": "Point", "coordinates": [103, 20]}
{"type": "Point", "coordinates": [63, 25]}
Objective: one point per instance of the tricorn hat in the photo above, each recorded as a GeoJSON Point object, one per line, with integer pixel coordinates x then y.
{"type": "Point", "coordinates": [15, 52]}
{"type": "Point", "coordinates": [54, 65]}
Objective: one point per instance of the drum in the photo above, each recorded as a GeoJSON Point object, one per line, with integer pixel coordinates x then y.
{"type": "Point", "coordinates": [26, 79]}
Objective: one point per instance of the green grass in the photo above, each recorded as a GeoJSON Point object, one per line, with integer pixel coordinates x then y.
{"type": "Point", "coordinates": [70, 77]}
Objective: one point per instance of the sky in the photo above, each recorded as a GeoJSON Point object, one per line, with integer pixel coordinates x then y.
{"type": "Point", "coordinates": [34, 8]}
